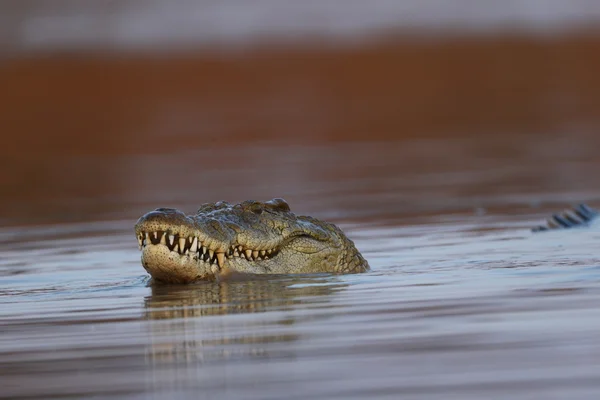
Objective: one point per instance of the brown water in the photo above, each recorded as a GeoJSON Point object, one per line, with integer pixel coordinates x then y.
{"type": "Point", "coordinates": [435, 167]}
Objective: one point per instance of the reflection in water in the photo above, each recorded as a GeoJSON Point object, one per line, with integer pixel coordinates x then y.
{"type": "Point", "coordinates": [186, 336]}
{"type": "Point", "coordinates": [234, 297]}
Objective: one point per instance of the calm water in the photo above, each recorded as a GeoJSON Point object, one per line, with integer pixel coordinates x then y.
{"type": "Point", "coordinates": [436, 156]}
{"type": "Point", "coordinates": [463, 302]}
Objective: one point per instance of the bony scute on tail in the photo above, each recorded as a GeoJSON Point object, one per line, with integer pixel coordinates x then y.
{"type": "Point", "coordinates": [250, 237]}
{"type": "Point", "coordinates": [575, 217]}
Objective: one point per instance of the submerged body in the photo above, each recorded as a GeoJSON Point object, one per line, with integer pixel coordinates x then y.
{"type": "Point", "coordinates": [251, 238]}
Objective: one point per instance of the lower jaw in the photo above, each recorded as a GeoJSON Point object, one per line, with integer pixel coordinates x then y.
{"type": "Point", "coordinates": [169, 267]}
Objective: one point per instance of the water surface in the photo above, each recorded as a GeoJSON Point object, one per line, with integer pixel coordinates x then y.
{"type": "Point", "coordinates": [463, 301]}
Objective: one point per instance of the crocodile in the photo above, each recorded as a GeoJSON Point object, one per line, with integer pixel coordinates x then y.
{"type": "Point", "coordinates": [251, 237]}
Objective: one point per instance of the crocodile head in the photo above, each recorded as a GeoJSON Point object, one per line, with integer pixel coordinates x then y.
{"type": "Point", "coordinates": [250, 237]}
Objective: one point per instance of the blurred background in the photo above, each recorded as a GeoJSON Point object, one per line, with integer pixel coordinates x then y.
{"type": "Point", "coordinates": [111, 107]}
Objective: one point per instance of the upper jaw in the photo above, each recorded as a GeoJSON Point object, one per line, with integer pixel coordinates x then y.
{"type": "Point", "coordinates": [187, 236]}
{"type": "Point", "coordinates": [192, 246]}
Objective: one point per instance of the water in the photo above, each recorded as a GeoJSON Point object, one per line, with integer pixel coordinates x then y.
{"type": "Point", "coordinates": [436, 158]}
{"type": "Point", "coordinates": [459, 304]}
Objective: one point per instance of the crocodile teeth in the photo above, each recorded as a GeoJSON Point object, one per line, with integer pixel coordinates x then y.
{"type": "Point", "coordinates": [221, 259]}
{"type": "Point", "coordinates": [140, 241]}
{"type": "Point", "coordinates": [194, 247]}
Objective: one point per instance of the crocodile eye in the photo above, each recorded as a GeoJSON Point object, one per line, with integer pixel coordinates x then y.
{"type": "Point", "coordinates": [256, 208]}
{"type": "Point", "coordinates": [278, 204]}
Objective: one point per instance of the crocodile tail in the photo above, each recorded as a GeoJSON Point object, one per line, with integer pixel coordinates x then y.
{"type": "Point", "coordinates": [578, 216]}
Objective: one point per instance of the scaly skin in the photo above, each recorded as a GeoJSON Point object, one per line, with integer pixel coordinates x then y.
{"type": "Point", "coordinates": [250, 237]}
{"type": "Point", "coordinates": [575, 217]}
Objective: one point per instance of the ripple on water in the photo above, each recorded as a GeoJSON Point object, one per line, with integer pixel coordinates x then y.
{"type": "Point", "coordinates": [453, 312]}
